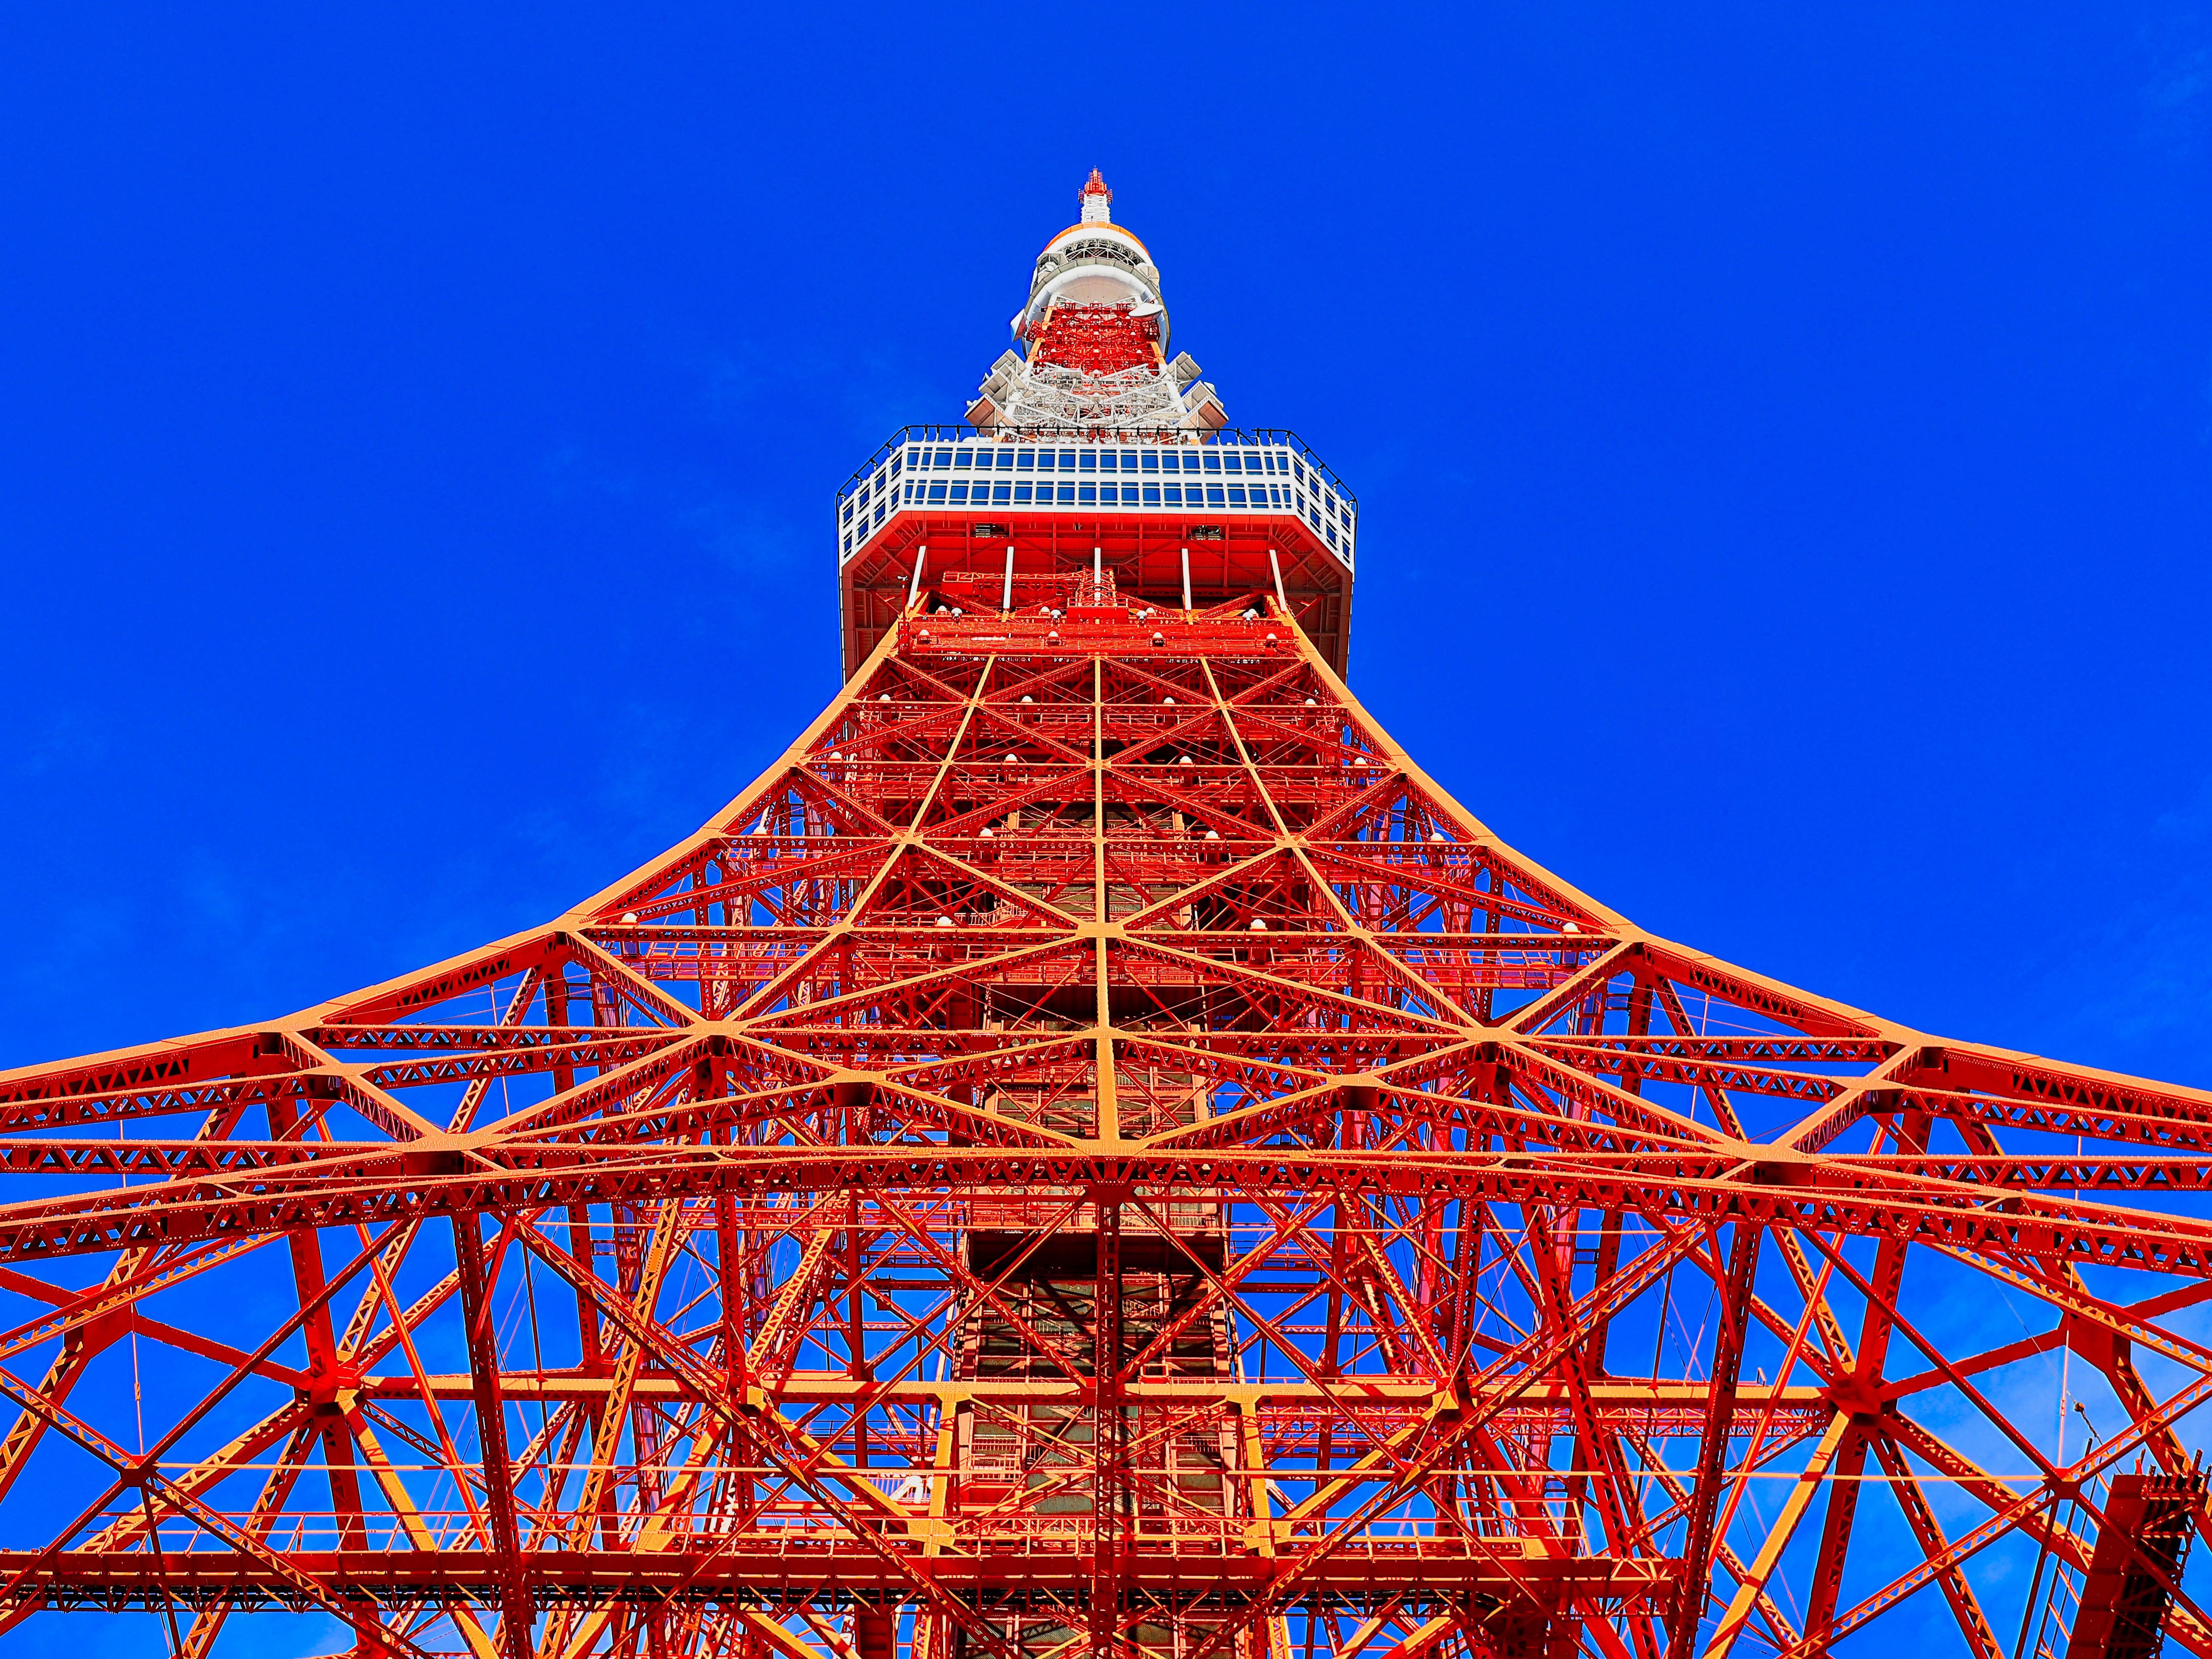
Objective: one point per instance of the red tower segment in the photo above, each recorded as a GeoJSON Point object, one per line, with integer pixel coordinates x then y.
{"type": "Point", "coordinates": [1094, 339]}
{"type": "Point", "coordinates": [1094, 1151]}
{"type": "Point", "coordinates": [1096, 445]}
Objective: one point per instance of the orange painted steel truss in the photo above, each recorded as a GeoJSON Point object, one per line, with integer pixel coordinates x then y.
{"type": "Point", "coordinates": [1094, 1152]}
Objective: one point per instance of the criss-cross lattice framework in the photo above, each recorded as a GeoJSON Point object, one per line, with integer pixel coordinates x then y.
{"type": "Point", "coordinates": [1093, 1152]}
{"type": "Point", "coordinates": [1095, 339]}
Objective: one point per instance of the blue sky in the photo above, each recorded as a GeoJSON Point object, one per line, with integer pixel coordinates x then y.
{"type": "Point", "coordinates": [1785, 440]}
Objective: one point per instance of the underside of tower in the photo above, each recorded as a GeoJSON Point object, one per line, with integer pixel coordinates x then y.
{"type": "Point", "coordinates": [1094, 1152]}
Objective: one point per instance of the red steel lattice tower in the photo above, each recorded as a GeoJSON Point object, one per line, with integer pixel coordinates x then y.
{"type": "Point", "coordinates": [1095, 1152]}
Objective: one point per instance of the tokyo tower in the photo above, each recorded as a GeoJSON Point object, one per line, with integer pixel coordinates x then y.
{"type": "Point", "coordinates": [1095, 1152]}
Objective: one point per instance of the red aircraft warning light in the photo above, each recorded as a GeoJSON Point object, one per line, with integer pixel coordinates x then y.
{"type": "Point", "coordinates": [1095, 1152]}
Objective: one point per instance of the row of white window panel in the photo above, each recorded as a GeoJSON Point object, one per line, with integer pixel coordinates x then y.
{"type": "Point", "coordinates": [997, 495]}
{"type": "Point", "coordinates": [1022, 492]}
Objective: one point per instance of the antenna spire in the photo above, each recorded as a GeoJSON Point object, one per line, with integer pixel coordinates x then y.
{"type": "Point", "coordinates": [1095, 199]}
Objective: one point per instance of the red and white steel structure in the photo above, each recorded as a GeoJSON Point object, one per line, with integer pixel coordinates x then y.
{"type": "Point", "coordinates": [1095, 1152]}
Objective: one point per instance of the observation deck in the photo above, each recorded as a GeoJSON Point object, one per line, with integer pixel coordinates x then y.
{"type": "Point", "coordinates": [1179, 518]}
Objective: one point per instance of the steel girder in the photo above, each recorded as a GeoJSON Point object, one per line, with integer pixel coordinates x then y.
{"type": "Point", "coordinates": [1092, 1151]}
